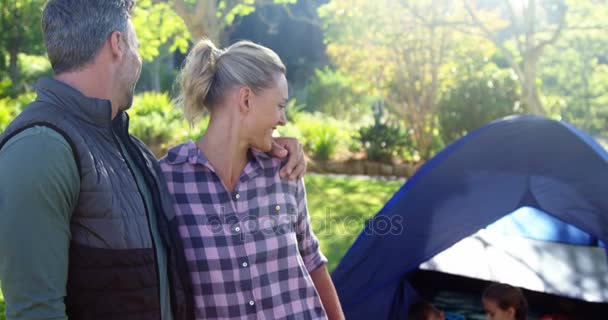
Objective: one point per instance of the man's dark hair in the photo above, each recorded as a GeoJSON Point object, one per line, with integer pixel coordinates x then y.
{"type": "Point", "coordinates": [421, 310]}
{"type": "Point", "coordinates": [74, 30]}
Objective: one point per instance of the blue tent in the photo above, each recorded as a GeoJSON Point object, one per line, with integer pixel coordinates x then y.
{"type": "Point", "coordinates": [515, 162]}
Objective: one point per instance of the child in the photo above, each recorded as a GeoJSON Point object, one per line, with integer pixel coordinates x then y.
{"type": "Point", "coordinates": [504, 302]}
{"type": "Point", "coordinates": [424, 310]}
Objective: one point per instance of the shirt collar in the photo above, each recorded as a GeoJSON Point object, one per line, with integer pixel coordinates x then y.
{"type": "Point", "coordinates": [188, 152]}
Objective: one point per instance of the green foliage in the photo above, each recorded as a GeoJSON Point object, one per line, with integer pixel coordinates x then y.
{"type": "Point", "coordinates": [400, 52]}
{"type": "Point", "coordinates": [323, 137]}
{"type": "Point", "coordinates": [2, 306]}
{"type": "Point", "coordinates": [20, 25]}
{"type": "Point", "coordinates": [242, 9]}
{"type": "Point", "coordinates": [34, 67]}
{"type": "Point", "coordinates": [158, 123]}
{"type": "Point", "coordinates": [320, 137]}
{"type": "Point", "coordinates": [383, 141]}
{"type": "Point", "coordinates": [478, 96]}
{"type": "Point", "coordinates": [11, 107]}
{"type": "Point", "coordinates": [159, 74]}
{"type": "Point", "coordinates": [338, 95]}
{"type": "Point", "coordinates": [157, 24]}
{"type": "Point", "coordinates": [579, 91]}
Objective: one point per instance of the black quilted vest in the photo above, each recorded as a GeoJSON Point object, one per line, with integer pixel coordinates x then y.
{"type": "Point", "coordinates": [112, 266]}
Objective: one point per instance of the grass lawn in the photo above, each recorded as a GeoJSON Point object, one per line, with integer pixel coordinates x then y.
{"type": "Point", "coordinates": [1, 306]}
{"type": "Point", "coordinates": [338, 208]}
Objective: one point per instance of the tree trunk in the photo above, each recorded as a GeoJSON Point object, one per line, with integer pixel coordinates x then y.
{"type": "Point", "coordinates": [529, 89]}
{"type": "Point", "coordinates": [156, 74]}
{"type": "Point", "coordinates": [13, 51]}
{"type": "Point", "coordinates": [202, 20]}
{"type": "Point", "coordinates": [13, 71]}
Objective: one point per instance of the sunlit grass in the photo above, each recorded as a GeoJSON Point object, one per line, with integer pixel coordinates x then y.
{"type": "Point", "coordinates": [339, 207]}
{"type": "Point", "coordinates": [1, 306]}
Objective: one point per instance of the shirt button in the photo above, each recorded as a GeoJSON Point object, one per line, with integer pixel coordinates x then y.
{"type": "Point", "coordinates": [244, 264]}
{"type": "Point", "coordinates": [277, 208]}
{"type": "Point", "coordinates": [237, 196]}
{"type": "Point", "coordinates": [251, 303]}
{"type": "Point", "coordinates": [237, 229]}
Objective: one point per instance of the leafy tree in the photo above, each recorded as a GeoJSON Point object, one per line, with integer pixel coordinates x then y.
{"type": "Point", "coordinates": [481, 94]}
{"type": "Point", "coordinates": [338, 95]}
{"type": "Point", "coordinates": [20, 25]}
{"type": "Point", "coordinates": [575, 71]}
{"type": "Point", "coordinates": [523, 30]}
{"type": "Point", "coordinates": [214, 19]}
{"type": "Point", "coordinates": [400, 51]}
{"type": "Point", "coordinates": [157, 24]}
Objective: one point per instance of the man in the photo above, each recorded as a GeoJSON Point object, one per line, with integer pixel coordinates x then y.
{"type": "Point", "coordinates": [87, 229]}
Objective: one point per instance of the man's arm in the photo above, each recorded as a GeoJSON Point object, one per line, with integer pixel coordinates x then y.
{"type": "Point", "coordinates": [39, 186]}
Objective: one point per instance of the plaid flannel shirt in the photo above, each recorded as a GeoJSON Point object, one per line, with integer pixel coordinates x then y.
{"type": "Point", "coordinates": [249, 252]}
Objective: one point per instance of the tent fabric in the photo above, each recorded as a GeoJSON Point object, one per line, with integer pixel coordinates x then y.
{"type": "Point", "coordinates": [534, 224]}
{"type": "Point", "coordinates": [510, 163]}
{"type": "Point", "coordinates": [574, 271]}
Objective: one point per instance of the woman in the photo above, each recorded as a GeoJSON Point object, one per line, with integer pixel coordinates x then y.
{"type": "Point", "coordinates": [504, 302]}
{"type": "Point", "coordinates": [246, 232]}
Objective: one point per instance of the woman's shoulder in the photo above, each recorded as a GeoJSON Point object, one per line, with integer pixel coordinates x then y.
{"type": "Point", "coordinates": [271, 165]}
{"type": "Point", "coordinates": [178, 154]}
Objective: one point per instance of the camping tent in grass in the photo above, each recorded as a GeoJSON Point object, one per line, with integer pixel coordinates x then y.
{"type": "Point", "coordinates": [556, 173]}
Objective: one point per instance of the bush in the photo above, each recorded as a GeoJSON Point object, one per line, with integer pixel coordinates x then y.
{"type": "Point", "coordinates": [476, 99]}
{"type": "Point", "coordinates": [383, 141]}
{"type": "Point", "coordinates": [34, 67]}
{"type": "Point", "coordinates": [159, 124]}
{"type": "Point", "coordinates": [10, 108]}
{"type": "Point", "coordinates": [323, 137]}
{"type": "Point", "coordinates": [337, 95]}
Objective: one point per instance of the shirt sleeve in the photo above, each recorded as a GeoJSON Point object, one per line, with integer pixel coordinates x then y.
{"type": "Point", "coordinates": [308, 244]}
{"type": "Point", "coordinates": [39, 186]}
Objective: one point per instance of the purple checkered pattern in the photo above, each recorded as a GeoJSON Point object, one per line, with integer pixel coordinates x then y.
{"type": "Point", "coordinates": [249, 252]}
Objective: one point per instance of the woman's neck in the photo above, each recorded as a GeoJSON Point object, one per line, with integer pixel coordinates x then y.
{"type": "Point", "coordinates": [225, 148]}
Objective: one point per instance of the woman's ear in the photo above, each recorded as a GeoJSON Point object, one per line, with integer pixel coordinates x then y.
{"type": "Point", "coordinates": [245, 95]}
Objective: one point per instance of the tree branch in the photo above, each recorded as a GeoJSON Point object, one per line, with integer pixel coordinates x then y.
{"type": "Point", "coordinates": [515, 25]}
{"type": "Point", "coordinates": [488, 34]}
{"type": "Point", "coordinates": [312, 21]}
{"type": "Point", "coordinates": [557, 32]}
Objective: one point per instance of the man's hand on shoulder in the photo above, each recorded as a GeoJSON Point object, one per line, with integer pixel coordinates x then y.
{"type": "Point", "coordinates": [292, 149]}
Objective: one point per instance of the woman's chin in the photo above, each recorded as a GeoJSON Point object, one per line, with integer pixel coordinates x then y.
{"type": "Point", "coordinates": [264, 146]}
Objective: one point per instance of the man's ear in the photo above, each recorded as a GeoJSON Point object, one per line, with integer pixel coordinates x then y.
{"type": "Point", "coordinates": [245, 95]}
{"type": "Point", "coordinates": [117, 44]}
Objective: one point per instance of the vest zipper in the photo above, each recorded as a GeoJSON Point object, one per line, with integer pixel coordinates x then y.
{"type": "Point", "coordinates": [147, 218]}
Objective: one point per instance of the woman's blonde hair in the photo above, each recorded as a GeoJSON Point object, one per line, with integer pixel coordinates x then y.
{"type": "Point", "coordinates": [209, 72]}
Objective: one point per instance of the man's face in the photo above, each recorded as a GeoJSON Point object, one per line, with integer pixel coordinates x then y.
{"type": "Point", "coordinates": [130, 68]}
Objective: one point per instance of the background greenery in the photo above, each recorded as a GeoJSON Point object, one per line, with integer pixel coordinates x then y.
{"type": "Point", "coordinates": [393, 81]}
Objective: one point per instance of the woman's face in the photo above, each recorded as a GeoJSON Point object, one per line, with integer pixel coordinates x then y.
{"type": "Point", "coordinates": [493, 312]}
{"type": "Point", "coordinates": [267, 113]}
